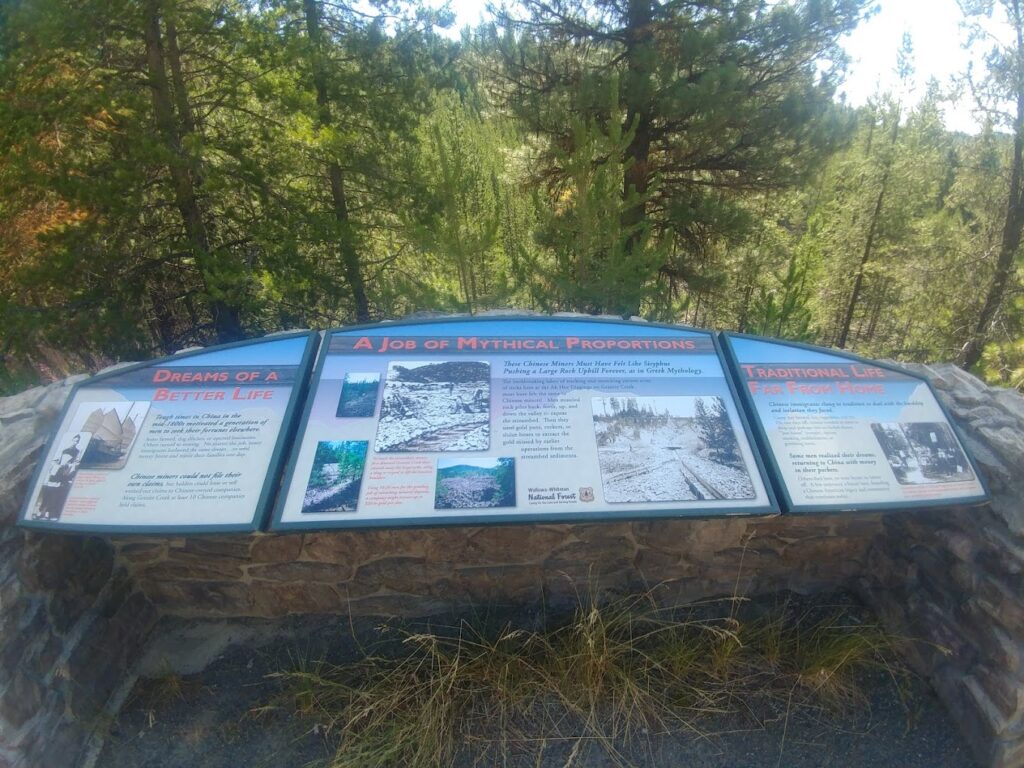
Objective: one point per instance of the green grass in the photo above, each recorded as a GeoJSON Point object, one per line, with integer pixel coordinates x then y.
{"type": "Point", "coordinates": [615, 674]}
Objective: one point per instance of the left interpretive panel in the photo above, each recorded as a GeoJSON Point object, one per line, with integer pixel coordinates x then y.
{"type": "Point", "coordinates": [188, 443]}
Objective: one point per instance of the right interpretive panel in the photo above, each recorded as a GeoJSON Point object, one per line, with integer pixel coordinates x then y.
{"type": "Point", "coordinates": [843, 433]}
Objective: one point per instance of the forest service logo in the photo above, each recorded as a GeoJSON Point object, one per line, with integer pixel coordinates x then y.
{"type": "Point", "coordinates": [586, 494]}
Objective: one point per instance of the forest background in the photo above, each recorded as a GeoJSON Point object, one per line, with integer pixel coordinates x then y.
{"type": "Point", "coordinates": [182, 172]}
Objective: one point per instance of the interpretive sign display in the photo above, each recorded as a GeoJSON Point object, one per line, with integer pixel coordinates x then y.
{"type": "Point", "coordinates": [189, 443]}
{"type": "Point", "coordinates": [502, 419]}
{"type": "Point", "coordinates": [843, 433]}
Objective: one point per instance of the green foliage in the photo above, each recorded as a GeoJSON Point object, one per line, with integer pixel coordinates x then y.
{"type": "Point", "coordinates": [505, 478]}
{"type": "Point", "coordinates": [602, 263]}
{"type": "Point", "coordinates": [783, 310]}
{"type": "Point", "coordinates": [177, 172]}
{"type": "Point", "coordinates": [1003, 359]}
{"type": "Point", "coordinates": [709, 101]}
{"type": "Point", "coordinates": [474, 225]}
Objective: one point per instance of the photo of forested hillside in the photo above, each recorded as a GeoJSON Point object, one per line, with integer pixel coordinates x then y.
{"type": "Point", "coordinates": [336, 477]}
{"type": "Point", "coordinates": [358, 395]}
{"type": "Point", "coordinates": [187, 172]}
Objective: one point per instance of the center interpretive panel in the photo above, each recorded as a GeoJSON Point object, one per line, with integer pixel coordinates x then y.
{"type": "Point", "coordinates": [501, 420]}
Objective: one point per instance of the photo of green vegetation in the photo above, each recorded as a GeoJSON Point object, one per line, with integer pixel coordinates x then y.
{"type": "Point", "coordinates": [475, 483]}
{"type": "Point", "coordinates": [336, 477]}
{"type": "Point", "coordinates": [358, 395]}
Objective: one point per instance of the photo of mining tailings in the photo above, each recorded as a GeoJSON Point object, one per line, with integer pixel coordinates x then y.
{"type": "Point", "coordinates": [435, 406]}
{"type": "Point", "coordinates": [336, 477]}
{"type": "Point", "coordinates": [475, 483]}
{"type": "Point", "coordinates": [668, 449]}
{"type": "Point", "coordinates": [922, 452]}
{"type": "Point", "coordinates": [358, 395]}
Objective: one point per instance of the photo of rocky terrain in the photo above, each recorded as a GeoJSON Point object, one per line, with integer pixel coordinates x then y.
{"type": "Point", "coordinates": [668, 449]}
{"type": "Point", "coordinates": [435, 406]}
{"type": "Point", "coordinates": [475, 483]}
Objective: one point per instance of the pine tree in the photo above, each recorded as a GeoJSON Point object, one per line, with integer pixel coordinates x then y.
{"type": "Point", "coordinates": [713, 99]}
{"type": "Point", "coordinates": [473, 223]}
{"type": "Point", "coordinates": [716, 430]}
{"type": "Point", "coordinates": [1005, 83]}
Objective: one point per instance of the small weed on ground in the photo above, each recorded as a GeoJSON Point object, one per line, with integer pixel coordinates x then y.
{"type": "Point", "coordinates": [155, 693]}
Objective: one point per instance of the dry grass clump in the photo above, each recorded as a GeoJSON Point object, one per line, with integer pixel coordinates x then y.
{"type": "Point", "coordinates": [156, 693]}
{"type": "Point", "coordinates": [616, 673]}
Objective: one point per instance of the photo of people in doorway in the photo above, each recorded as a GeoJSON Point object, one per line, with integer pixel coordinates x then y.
{"type": "Point", "coordinates": [922, 452]}
{"type": "Point", "coordinates": [99, 435]}
{"type": "Point", "coordinates": [59, 474]}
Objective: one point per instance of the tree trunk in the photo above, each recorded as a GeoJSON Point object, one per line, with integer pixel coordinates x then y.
{"type": "Point", "coordinates": [869, 243]}
{"type": "Point", "coordinates": [163, 317]}
{"type": "Point", "coordinates": [741, 324]}
{"type": "Point", "coordinates": [335, 174]}
{"type": "Point", "coordinates": [970, 354]}
{"type": "Point", "coordinates": [185, 115]}
{"type": "Point", "coordinates": [750, 270]}
{"type": "Point", "coordinates": [858, 282]}
{"type": "Point", "coordinates": [226, 322]}
{"type": "Point", "coordinates": [636, 178]}
{"type": "Point", "coordinates": [876, 312]}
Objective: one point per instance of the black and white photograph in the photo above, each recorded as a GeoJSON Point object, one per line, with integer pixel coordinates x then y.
{"type": "Point", "coordinates": [59, 475]}
{"type": "Point", "coordinates": [336, 477]}
{"type": "Point", "coordinates": [358, 395]}
{"type": "Point", "coordinates": [668, 449]}
{"type": "Point", "coordinates": [922, 452]}
{"type": "Point", "coordinates": [435, 406]}
{"type": "Point", "coordinates": [113, 428]}
{"type": "Point", "coordinates": [475, 483]}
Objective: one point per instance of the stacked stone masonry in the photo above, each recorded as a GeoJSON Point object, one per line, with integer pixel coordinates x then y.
{"type": "Point", "coordinates": [71, 620]}
{"type": "Point", "coordinates": [955, 577]}
{"type": "Point", "coordinates": [76, 611]}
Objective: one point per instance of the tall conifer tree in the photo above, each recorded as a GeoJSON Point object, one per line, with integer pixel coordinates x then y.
{"type": "Point", "coordinates": [717, 98]}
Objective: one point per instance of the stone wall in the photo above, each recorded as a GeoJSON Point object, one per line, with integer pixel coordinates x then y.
{"type": "Point", "coordinates": [955, 578]}
{"type": "Point", "coordinates": [71, 621]}
{"type": "Point", "coordinates": [419, 572]}
{"type": "Point", "coordinates": [74, 611]}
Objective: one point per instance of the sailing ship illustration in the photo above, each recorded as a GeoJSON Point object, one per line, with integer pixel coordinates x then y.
{"type": "Point", "coordinates": [111, 438]}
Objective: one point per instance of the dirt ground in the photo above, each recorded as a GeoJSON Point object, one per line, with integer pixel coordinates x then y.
{"type": "Point", "coordinates": [230, 714]}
